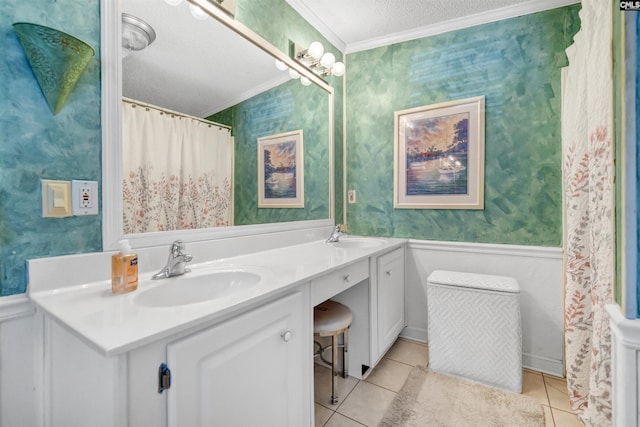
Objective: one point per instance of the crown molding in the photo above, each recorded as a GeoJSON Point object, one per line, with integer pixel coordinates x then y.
{"type": "Point", "coordinates": [494, 15]}
{"type": "Point", "coordinates": [313, 19]}
{"type": "Point", "coordinates": [455, 24]}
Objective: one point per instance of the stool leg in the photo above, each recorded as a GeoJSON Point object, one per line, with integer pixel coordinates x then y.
{"type": "Point", "coordinates": [334, 360]}
{"type": "Point", "coordinates": [345, 355]}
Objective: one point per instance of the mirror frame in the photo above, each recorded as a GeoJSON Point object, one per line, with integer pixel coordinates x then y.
{"type": "Point", "coordinates": [111, 81]}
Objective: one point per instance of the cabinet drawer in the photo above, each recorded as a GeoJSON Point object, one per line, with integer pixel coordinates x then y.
{"type": "Point", "coordinates": [324, 287]}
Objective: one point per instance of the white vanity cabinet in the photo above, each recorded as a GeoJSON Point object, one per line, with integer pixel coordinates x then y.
{"type": "Point", "coordinates": [251, 369]}
{"type": "Point", "coordinates": [248, 371]}
{"type": "Point", "coordinates": [246, 361]}
{"type": "Point", "coordinates": [387, 301]}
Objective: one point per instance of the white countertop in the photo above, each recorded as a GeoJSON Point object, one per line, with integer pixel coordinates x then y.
{"type": "Point", "coordinates": [114, 324]}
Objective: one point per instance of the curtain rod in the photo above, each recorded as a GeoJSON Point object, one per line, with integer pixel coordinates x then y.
{"type": "Point", "coordinates": [175, 113]}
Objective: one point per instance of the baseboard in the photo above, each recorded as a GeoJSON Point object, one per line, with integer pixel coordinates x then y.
{"type": "Point", "coordinates": [415, 334]}
{"type": "Point", "coordinates": [543, 364]}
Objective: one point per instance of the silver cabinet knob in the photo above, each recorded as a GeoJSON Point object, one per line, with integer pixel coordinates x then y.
{"type": "Point", "coordinates": [286, 336]}
{"type": "Point", "coordinates": [388, 272]}
{"type": "Point", "coordinates": [347, 278]}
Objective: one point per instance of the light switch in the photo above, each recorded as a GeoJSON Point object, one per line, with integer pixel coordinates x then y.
{"type": "Point", "coordinates": [56, 198]}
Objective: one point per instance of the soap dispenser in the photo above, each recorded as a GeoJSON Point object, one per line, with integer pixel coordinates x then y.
{"type": "Point", "coordinates": [124, 269]}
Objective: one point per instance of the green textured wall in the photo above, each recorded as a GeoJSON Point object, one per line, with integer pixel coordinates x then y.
{"type": "Point", "coordinates": [515, 64]}
{"type": "Point", "coordinates": [282, 109]}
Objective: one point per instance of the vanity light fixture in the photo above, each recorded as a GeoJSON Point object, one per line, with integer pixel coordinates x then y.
{"type": "Point", "coordinates": [136, 34]}
{"type": "Point", "coordinates": [316, 59]}
{"type": "Point", "coordinates": [320, 62]}
{"type": "Point", "coordinates": [228, 6]}
{"type": "Point", "coordinates": [197, 12]}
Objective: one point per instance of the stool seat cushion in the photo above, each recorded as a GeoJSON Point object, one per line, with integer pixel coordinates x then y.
{"type": "Point", "coordinates": [331, 316]}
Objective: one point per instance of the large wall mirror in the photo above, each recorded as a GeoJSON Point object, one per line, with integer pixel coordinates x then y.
{"type": "Point", "coordinates": [220, 77]}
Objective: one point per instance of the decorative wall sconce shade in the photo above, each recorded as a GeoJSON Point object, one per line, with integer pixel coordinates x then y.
{"type": "Point", "coordinates": [56, 58]}
{"type": "Point", "coordinates": [136, 34]}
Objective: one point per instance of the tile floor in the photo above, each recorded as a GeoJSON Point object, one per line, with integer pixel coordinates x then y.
{"type": "Point", "coordinates": [363, 403]}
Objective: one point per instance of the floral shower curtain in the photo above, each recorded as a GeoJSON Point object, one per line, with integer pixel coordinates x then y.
{"type": "Point", "coordinates": [589, 200]}
{"type": "Point", "coordinates": [177, 171]}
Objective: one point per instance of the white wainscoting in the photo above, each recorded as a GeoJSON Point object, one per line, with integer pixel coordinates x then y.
{"type": "Point", "coordinates": [538, 270]}
{"type": "Point", "coordinates": [625, 368]}
{"type": "Point", "coordinates": [19, 349]}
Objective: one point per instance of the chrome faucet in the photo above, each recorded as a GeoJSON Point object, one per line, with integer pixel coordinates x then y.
{"type": "Point", "coordinates": [335, 235]}
{"type": "Point", "coordinates": [176, 262]}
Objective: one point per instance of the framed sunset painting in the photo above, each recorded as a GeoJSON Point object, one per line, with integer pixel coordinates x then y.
{"type": "Point", "coordinates": [439, 156]}
{"type": "Point", "coordinates": [281, 171]}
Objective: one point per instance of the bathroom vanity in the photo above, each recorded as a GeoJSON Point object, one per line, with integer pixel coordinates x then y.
{"type": "Point", "coordinates": [241, 354]}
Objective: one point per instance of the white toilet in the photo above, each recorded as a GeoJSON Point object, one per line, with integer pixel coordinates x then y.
{"type": "Point", "coordinates": [474, 328]}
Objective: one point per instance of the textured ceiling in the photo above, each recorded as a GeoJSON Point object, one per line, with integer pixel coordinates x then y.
{"type": "Point", "coordinates": [347, 23]}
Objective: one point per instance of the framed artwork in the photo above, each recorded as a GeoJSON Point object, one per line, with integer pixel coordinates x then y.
{"type": "Point", "coordinates": [281, 171]}
{"type": "Point", "coordinates": [439, 156]}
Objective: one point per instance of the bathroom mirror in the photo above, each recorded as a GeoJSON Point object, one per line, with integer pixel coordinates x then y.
{"type": "Point", "coordinates": [262, 88]}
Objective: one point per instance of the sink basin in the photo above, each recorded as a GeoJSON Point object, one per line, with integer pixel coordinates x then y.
{"type": "Point", "coordinates": [358, 242]}
{"type": "Point", "coordinates": [195, 287]}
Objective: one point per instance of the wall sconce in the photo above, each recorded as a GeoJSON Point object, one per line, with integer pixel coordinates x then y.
{"type": "Point", "coordinates": [316, 59]}
{"type": "Point", "coordinates": [56, 58]}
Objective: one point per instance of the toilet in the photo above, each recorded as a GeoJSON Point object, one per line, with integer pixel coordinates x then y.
{"type": "Point", "coordinates": [474, 328]}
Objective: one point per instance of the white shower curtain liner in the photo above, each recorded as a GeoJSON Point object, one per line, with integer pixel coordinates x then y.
{"type": "Point", "coordinates": [589, 200]}
{"type": "Point", "coordinates": [177, 171]}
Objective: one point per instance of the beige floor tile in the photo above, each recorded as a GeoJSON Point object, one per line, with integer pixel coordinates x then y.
{"type": "Point", "coordinates": [531, 371]}
{"type": "Point", "coordinates": [338, 420]}
{"type": "Point", "coordinates": [558, 393]}
{"type": "Point", "coordinates": [409, 352]}
{"type": "Point", "coordinates": [367, 403]}
{"type": "Point", "coordinates": [533, 386]}
{"type": "Point", "coordinates": [390, 374]}
{"type": "Point", "coordinates": [565, 419]}
{"type": "Point", "coordinates": [322, 387]}
{"type": "Point", "coordinates": [322, 415]}
{"type": "Point", "coordinates": [548, 417]}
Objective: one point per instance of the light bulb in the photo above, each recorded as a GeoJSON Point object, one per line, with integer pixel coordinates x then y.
{"type": "Point", "coordinates": [197, 12]}
{"type": "Point", "coordinates": [327, 60]}
{"type": "Point", "coordinates": [315, 50]}
{"type": "Point", "coordinates": [293, 73]}
{"type": "Point", "coordinates": [281, 65]}
{"type": "Point", "coordinates": [305, 81]}
{"type": "Point", "coordinates": [338, 69]}
{"type": "Point", "coordinates": [173, 2]}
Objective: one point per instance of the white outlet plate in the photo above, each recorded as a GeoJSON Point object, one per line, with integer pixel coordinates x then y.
{"type": "Point", "coordinates": [84, 197]}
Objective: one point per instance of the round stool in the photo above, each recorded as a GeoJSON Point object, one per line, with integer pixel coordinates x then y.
{"type": "Point", "coordinates": [331, 319]}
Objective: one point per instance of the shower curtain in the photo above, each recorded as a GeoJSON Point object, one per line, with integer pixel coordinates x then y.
{"type": "Point", "coordinates": [589, 201]}
{"type": "Point", "coordinates": [177, 171]}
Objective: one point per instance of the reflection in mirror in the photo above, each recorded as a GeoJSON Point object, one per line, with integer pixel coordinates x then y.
{"type": "Point", "coordinates": [196, 100]}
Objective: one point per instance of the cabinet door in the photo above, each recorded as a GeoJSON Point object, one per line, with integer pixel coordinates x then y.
{"type": "Point", "coordinates": [390, 283]}
{"type": "Point", "coordinates": [248, 371]}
